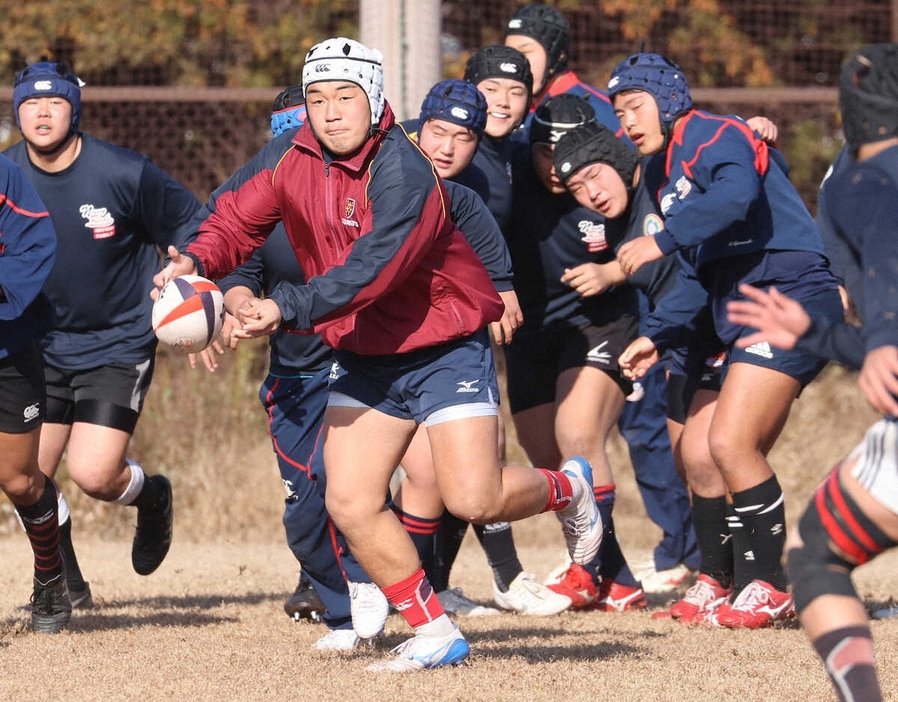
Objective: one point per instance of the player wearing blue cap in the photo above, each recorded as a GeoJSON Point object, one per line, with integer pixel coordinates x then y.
{"type": "Point", "coordinates": [113, 211]}
{"type": "Point", "coordinates": [450, 127]}
{"type": "Point", "coordinates": [725, 197]}
{"type": "Point", "coordinates": [402, 297]}
{"type": "Point", "coordinates": [27, 252]}
{"type": "Point", "coordinates": [854, 515]}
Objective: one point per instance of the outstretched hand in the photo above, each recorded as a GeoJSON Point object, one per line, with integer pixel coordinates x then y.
{"type": "Point", "coordinates": [179, 265]}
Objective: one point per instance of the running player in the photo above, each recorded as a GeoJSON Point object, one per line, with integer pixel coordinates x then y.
{"type": "Point", "coordinates": [112, 210]}
{"type": "Point", "coordinates": [404, 301]}
{"type": "Point", "coordinates": [27, 253]}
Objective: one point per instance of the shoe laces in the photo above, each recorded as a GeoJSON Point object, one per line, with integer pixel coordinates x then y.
{"type": "Point", "coordinates": [752, 596]}
{"type": "Point", "coordinates": [701, 593]}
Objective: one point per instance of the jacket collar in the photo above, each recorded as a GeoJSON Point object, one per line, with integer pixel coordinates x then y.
{"type": "Point", "coordinates": [306, 140]}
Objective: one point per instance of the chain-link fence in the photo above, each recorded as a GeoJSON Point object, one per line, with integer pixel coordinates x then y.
{"type": "Point", "coordinates": [201, 136]}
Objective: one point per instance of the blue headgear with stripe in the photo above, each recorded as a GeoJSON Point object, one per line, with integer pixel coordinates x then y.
{"type": "Point", "coordinates": [48, 79]}
{"type": "Point", "coordinates": [456, 101]}
{"type": "Point", "coordinates": [658, 76]}
{"type": "Point", "coordinates": [288, 111]}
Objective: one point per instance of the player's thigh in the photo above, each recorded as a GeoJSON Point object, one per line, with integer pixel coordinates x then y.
{"type": "Point", "coordinates": [465, 463]}
{"type": "Point", "coordinates": [362, 448]}
{"type": "Point", "coordinates": [588, 406]}
{"type": "Point", "coordinates": [752, 408]}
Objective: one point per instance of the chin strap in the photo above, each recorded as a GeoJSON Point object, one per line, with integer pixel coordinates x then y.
{"type": "Point", "coordinates": [59, 147]}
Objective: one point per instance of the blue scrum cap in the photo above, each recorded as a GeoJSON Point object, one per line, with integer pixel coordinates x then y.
{"type": "Point", "coordinates": [49, 79]}
{"type": "Point", "coordinates": [456, 101]}
{"type": "Point", "coordinates": [656, 75]}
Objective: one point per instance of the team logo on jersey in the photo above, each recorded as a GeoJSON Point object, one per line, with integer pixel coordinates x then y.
{"type": "Point", "coordinates": [593, 234]}
{"type": "Point", "coordinates": [667, 202]}
{"type": "Point", "coordinates": [652, 225]}
{"type": "Point", "coordinates": [348, 212]}
{"type": "Point", "coordinates": [684, 187]}
{"type": "Point", "coordinates": [100, 220]}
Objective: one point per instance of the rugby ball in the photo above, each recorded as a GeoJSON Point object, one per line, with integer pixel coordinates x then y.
{"type": "Point", "coordinates": [188, 313]}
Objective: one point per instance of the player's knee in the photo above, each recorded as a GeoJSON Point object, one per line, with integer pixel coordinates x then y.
{"type": "Point", "coordinates": [473, 508]}
{"type": "Point", "coordinates": [814, 568]}
{"type": "Point", "coordinates": [835, 537]}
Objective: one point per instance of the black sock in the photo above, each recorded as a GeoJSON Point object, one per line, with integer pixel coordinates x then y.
{"type": "Point", "coordinates": [610, 563]}
{"type": "Point", "coordinates": [451, 534]}
{"type": "Point", "coordinates": [423, 532]}
{"type": "Point", "coordinates": [41, 522]}
{"type": "Point", "coordinates": [848, 656]}
{"type": "Point", "coordinates": [759, 549]}
{"type": "Point", "coordinates": [498, 544]}
{"type": "Point", "coordinates": [73, 574]}
{"type": "Point", "coordinates": [709, 516]}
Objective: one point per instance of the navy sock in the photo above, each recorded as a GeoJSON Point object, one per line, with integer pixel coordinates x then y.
{"type": "Point", "coordinates": [501, 554]}
{"type": "Point", "coordinates": [709, 516]}
{"type": "Point", "coordinates": [848, 656]}
{"type": "Point", "coordinates": [759, 517]}
{"type": "Point", "coordinates": [610, 562]}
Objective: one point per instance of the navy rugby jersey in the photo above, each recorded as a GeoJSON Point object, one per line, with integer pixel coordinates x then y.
{"type": "Point", "coordinates": [862, 207]}
{"type": "Point", "coordinates": [548, 233]}
{"type": "Point", "coordinates": [112, 210]}
{"type": "Point", "coordinates": [722, 193]}
{"type": "Point", "coordinates": [27, 252]}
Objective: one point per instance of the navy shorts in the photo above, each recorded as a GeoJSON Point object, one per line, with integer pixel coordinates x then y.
{"type": "Point", "coordinates": [801, 365]}
{"type": "Point", "coordinates": [108, 396]}
{"type": "Point", "coordinates": [23, 405]}
{"type": "Point", "coordinates": [536, 358]}
{"type": "Point", "coordinates": [432, 385]}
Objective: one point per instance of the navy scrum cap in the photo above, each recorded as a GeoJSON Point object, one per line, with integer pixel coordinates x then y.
{"type": "Point", "coordinates": [868, 95]}
{"type": "Point", "coordinates": [656, 75]}
{"type": "Point", "coordinates": [288, 110]}
{"type": "Point", "coordinates": [499, 61]}
{"type": "Point", "coordinates": [550, 29]}
{"type": "Point", "coordinates": [49, 79]}
{"type": "Point", "coordinates": [456, 101]}
{"type": "Point", "coordinates": [557, 115]}
{"type": "Point", "coordinates": [593, 143]}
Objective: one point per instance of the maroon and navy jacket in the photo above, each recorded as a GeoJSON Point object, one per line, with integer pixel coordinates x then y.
{"type": "Point", "coordinates": [388, 270]}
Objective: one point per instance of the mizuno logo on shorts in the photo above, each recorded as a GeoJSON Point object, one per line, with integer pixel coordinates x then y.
{"type": "Point", "coordinates": [467, 386]}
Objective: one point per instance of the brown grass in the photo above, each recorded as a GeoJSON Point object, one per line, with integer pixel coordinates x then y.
{"type": "Point", "coordinates": [209, 625]}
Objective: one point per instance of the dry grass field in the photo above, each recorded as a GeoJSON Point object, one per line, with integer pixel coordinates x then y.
{"type": "Point", "coordinates": [208, 625]}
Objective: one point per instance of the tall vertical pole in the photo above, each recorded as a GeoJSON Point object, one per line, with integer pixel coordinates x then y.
{"type": "Point", "coordinates": [407, 32]}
